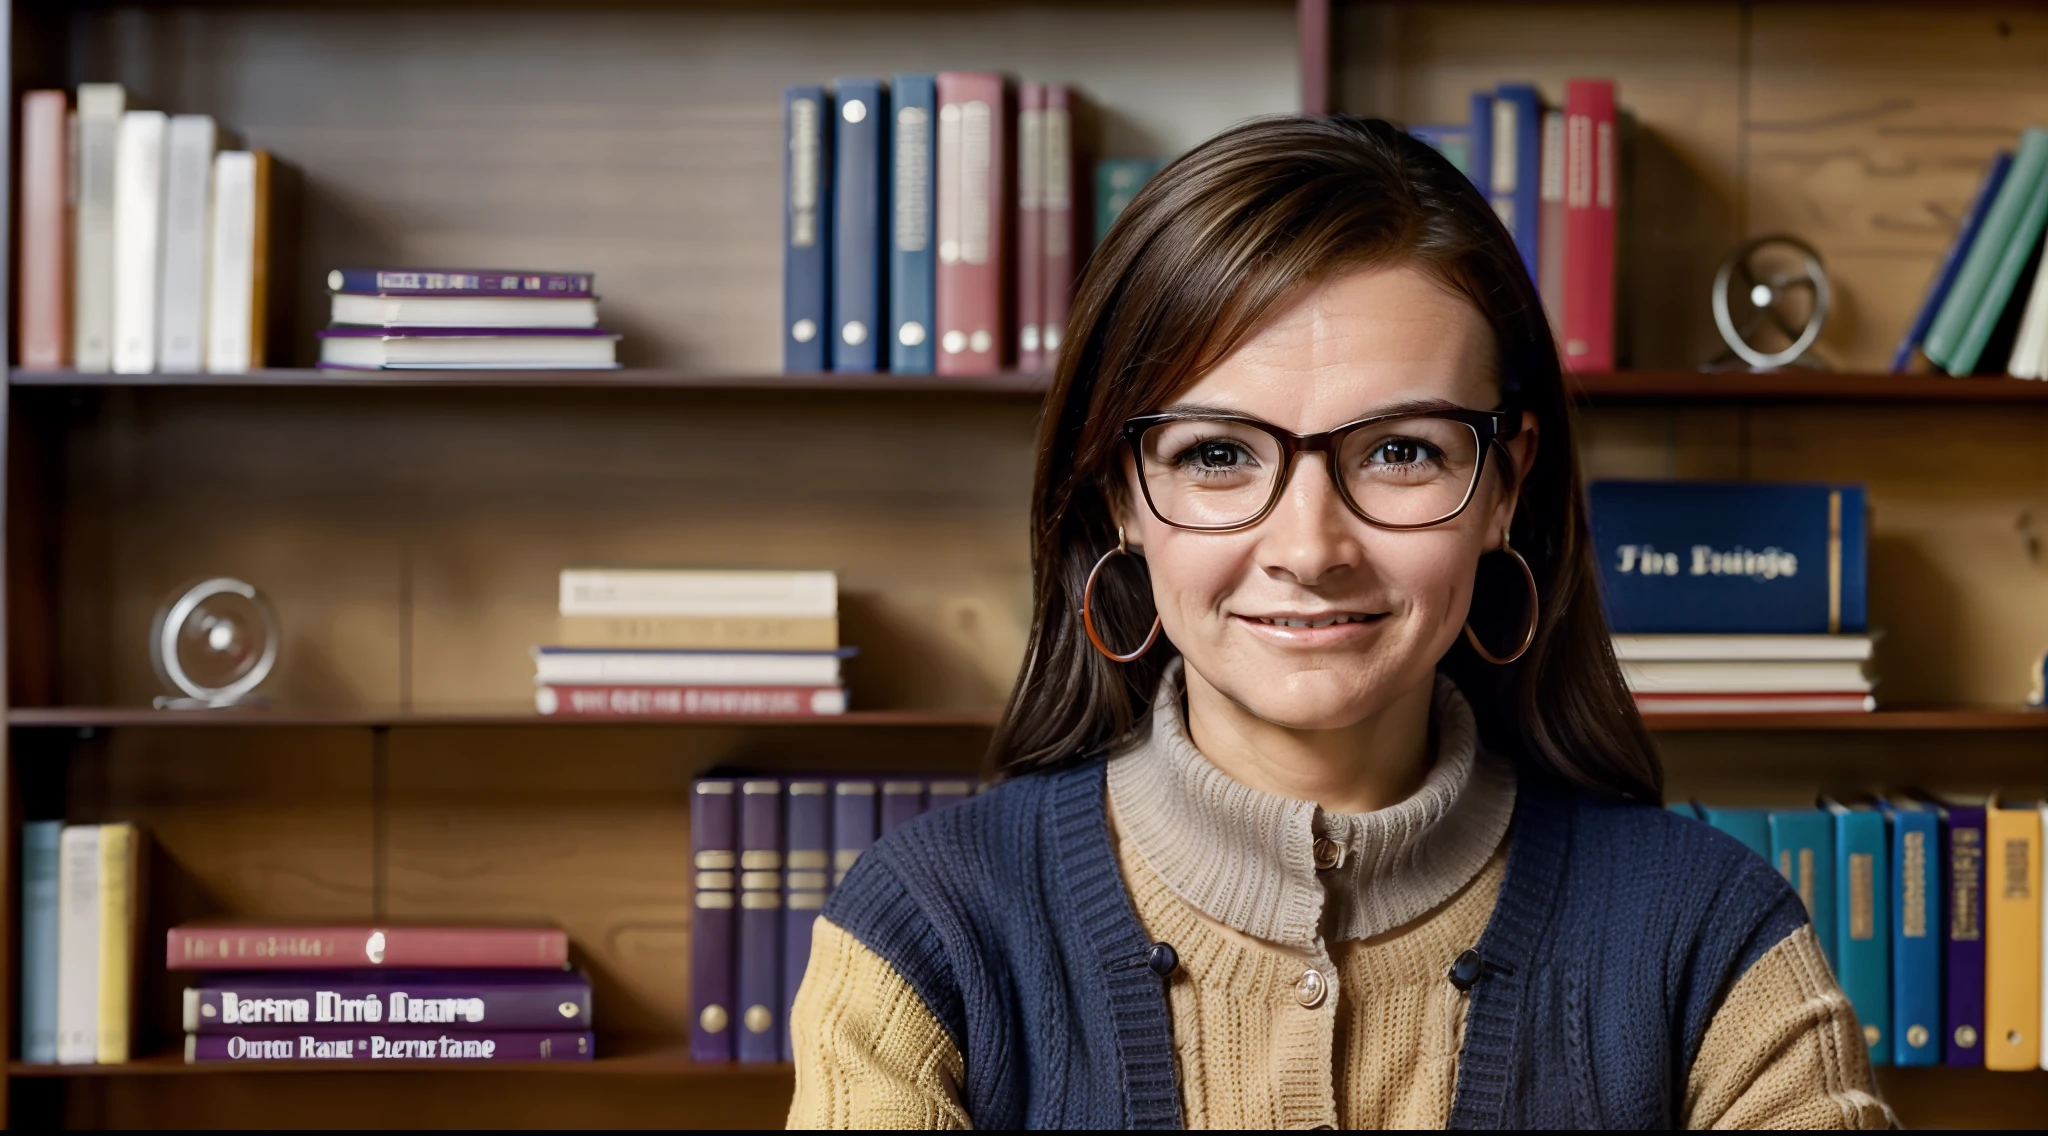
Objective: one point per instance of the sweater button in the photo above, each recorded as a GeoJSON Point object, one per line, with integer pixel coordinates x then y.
{"type": "Point", "coordinates": [1163, 959]}
{"type": "Point", "coordinates": [1328, 853]}
{"type": "Point", "coordinates": [1310, 989]}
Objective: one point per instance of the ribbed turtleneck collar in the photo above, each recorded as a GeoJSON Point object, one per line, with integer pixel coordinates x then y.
{"type": "Point", "coordinates": [1246, 858]}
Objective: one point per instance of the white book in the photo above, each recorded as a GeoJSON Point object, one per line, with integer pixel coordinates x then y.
{"type": "Point", "coordinates": [100, 106]}
{"type": "Point", "coordinates": [629, 591]}
{"type": "Point", "coordinates": [1745, 678]}
{"type": "Point", "coordinates": [1755, 704]}
{"type": "Point", "coordinates": [138, 239]}
{"type": "Point", "coordinates": [686, 668]}
{"type": "Point", "coordinates": [188, 200]}
{"type": "Point", "coordinates": [462, 311]}
{"type": "Point", "coordinates": [1741, 648]}
{"type": "Point", "coordinates": [568, 350]}
{"type": "Point", "coordinates": [78, 944]}
{"type": "Point", "coordinates": [231, 264]}
{"type": "Point", "coordinates": [2030, 347]}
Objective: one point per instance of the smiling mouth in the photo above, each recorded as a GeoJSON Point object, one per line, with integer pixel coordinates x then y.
{"type": "Point", "coordinates": [1321, 621]}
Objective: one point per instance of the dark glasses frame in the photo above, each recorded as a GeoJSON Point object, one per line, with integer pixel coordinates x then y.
{"type": "Point", "coordinates": [1491, 426]}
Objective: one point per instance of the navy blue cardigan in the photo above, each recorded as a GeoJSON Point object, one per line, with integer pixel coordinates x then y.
{"type": "Point", "coordinates": [1619, 930]}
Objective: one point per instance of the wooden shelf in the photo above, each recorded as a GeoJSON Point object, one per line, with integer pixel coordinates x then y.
{"type": "Point", "coordinates": [660, 1057]}
{"type": "Point", "coordinates": [84, 717]}
{"type": "Point", "coordinates": [1911, 718]}
{"type": "Point", "coordinates": [1799, 386]}
{"type": "Point", "coordinates": [1007, 383]}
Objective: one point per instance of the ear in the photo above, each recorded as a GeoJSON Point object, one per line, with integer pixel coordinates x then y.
{"type": "Point", "coordinates": [1521, 459]}
{"type": "Point", "coordinates": [1125, 510]}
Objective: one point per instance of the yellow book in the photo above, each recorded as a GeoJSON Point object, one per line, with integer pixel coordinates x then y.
{"type": "Point", "coordinates": [2012, 936]}
{"type": "Point", "coordinates": [118, 913]}
{"type": "Point", "coordinates": [701, 632]}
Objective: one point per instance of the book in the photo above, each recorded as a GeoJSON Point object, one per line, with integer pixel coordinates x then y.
{"type": "Point", "coordinates": [1995, 236]}
{"type": "Point", "coordinates": [1952, 261]}
{"type": "Point", "coordinates": [453, 1000]}
{"type": "Point", "coordinates": [625, 667]}
{"type": "Point", "coordinates": [1117, 181]}
{"type": "Point", "coordinates": [806, 226]}
{"type": "Point", "coordinates": [806, 878]}
{"type": "Point", "coordinates": [939, 794]}
{"type": "Point", "coordinates": [1731, 557]}
{"type": "Point", "coordinates": [714, 927]}
{"type": "Point", "coordinates": [100, 109]}
{"type": "Point", "coordinates": [1962, 948]}
{"type": "Point", "coordinates": [188, 200]}
{"type": "Point", "coordinates": [1916, 930]}
{"type": "Point", "coordinates": [860, 200]}
{"type": "Point", "coordinates": [699, 592]}
{"type": "Point", "coordinates": [138, 239]}
{"type": "Point", "coordinates": [853, 823]}
{"type": "Point", "coordinates": [1743, 648]}
{"type": "Point", "coordinates": [1516, 174]}
{"type": "Point", "coordinates": [235, 286]}
{"type": "Point", "coordinates": [1999, 313]}
{"type": "Point", "coordinates": [665, 701]}
{"type": "Point", "coordinates": [1452, 140]}
{"type": "Point", "coordinates": [1029, 287]}
{"type": "Point", "coordinates": [1479, 129]}
{"type": "Point", "coordinates": [481, 282]}
{"type": "Point", "coordinates": [912, 204]}
{"type": "Point", "coordinates": [358, 309]}
{"type": "Point", "coordinates": [78, 944]}
{"type": "Point", "coordinates": [974, 180]}
{"type": "Point", "coordinates": [43, 272]}
{"type": "Point", "coordinates": [373, 1043]}
{"type": "Point", "coordinates": [1863, 921]}
{"type": "Point", "coordinates": [700, 632]}
{"type": "Point", "coordinates": [758, 971]}
{"type": "Point", "coordinates": [120, 923]}
{"type": "Point", "coordinates": [1550, 224]}
{"type": "Point", "coordinates": [40, 855]}
{"type": "Point", "coordinates": [2029, 354]}
{"type": "Point", "coordinates": [315, 947]}
{"type": "Point", "coordinates": [1591, 177]}
{"type": "Point", "coordinates": [2012, 934]}
{"type": "Point", "coordinates": [1803, 851]}
{"type": "Point", "coordinates": [1756, 702]}
{"type": "Point", "coordinates": [469, 348]}
{"type": "Point", "coordinates": [1060, 188]}
{"type": "Point", "coordinates": [1664, 677]}
{"type": "Point", "coordinates": [902, 800]}
{"type": "Point", "coordinates": [1751, 826]}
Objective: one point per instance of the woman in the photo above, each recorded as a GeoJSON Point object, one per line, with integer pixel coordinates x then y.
{"type": "Point", "coordinates": [1323, 802]}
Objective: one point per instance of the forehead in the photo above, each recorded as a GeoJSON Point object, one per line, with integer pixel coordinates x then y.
{"type": "Point", "coordinates": [1344, 348]}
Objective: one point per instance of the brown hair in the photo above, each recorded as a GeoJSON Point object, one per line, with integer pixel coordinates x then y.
{"type": "Point", "coordinates": [1190, 270]}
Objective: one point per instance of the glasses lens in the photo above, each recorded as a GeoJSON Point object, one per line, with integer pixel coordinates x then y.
{"type": "Point", "coordinates": [1410, 471]}
{"type": "Point", "coordinates": [1205, 473]}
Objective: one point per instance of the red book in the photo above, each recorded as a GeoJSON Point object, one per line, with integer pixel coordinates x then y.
{"type": "Point", "coordinates": [1591, 154]}
{"type": "Point", "coordinates": [45, 269]}
{"type": "Point", "coordinates": [334, 948]}
{"type": "Point", "coordinates": [690, 701]}
{"type": "Point", "coordinates": [974, 189]}
{"type": "Point", "coordinates": [1062, 236]}
{"type": "Point", "coordinates": [1031, 170]}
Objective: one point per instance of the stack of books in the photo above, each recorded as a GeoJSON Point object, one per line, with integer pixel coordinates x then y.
{"type": "Point", "coordinates": [408, 319]}
{"type": "Point", "coordinates": [1986, 310]}
{"type": "Point", "coordinates": [81, 887]}
{"type": "Point", "coordinates": [690, 643]}
{"type": "Point", "coordinates": [379, 994]}
{"type": "Point", "coordinates": [144, 246]}
{"type": "Point", "coordinates": [766, 852]}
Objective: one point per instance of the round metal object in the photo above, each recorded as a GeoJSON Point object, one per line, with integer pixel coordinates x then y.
{"type": "Point", "coordinates": [215, 642]}
{"type": "Point", "coordinates": [1767, 276]}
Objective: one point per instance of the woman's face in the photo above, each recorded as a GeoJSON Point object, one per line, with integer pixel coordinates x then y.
{"type": "Point", "coordinates": [1382, 605]}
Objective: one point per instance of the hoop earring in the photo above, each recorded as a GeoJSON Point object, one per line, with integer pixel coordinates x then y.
{"type": "Point", "coordinates": [1535, 613]}
{"type": "Point", "coordinates": [1087, 612]}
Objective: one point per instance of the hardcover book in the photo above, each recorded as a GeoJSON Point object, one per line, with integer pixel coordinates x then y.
{"type": "Point", "coordinates": [1962, 958]}
{"type": "Point", "coordinates": [138, 239]}
{"type": "Point", "coordinates": [1550, 224]}
{"type": "Point", "coordinates": [120, 921]}
{"type": "Point", "coordinates": [700, 633]}
{"type": "Point", "coordinates": [939, 794]}
{"type": "Point", "coordinates": [806, 227]}
{"type": "Point", "coordinates": [661, 667]}
{"type": "Point", "coordinates": [203, 947]}
{"type": "Point", "coordinates": [860, 201]}
{"type": "Point", "coordinates": [78, 944]}
{"type": "Point", "coordinates": [902, 800]}
{"type": "Point", "coordinates": [1065, 156]}
{"type": "Point", "coordinates": [2012, 935]}
{"type": "Point", "coordinates": [238, 274]}
{"type": "Point", "coordinates": [371, 1043]}
{"type": "Point", "coordinates": [691, 592]}
{"type": "Point", "coordinates": [469, 348]}
{"type": "Point", "coordinates": [1863, 920]}
{"type": "Point", "coordinates": [1803, 851]}
{"type": "Point", "coordinates": [1987, 337]}
{"type": "Point", "coordinates": [43, 313]}
{"type": "Point", "coordinates": [188, 198]}
{"type": "Point", "coordinates": [100, 110]}
{"type": "Point", "coordinates": [807, 876]}
{"type": "Point", "coordinates": [486, 282]}
{"type": "Point", "coordinates": [1592, 174]}
{"type": "Point", "coordinates": [1952, 262]}
{"type": "Point", "coordinates": [2001, 232]}
{"type": "Point", "coordinates": [1751, 826]}
{"type": "Point", "coordinates": [40, 854]}
{"type": "Point", "coordinates": [759, 1037]}
{"type": "Point", "coordinates": [853, 824]}
{"type": "Point", "coordinates": [453, 1000]}
{"type": "Point", "coordinates": [1030, 261]}
{"type": "Point", "coordinates": [975, 183]}
{"type": "Point", "coordinates": [661, 701]}
{"type": "Point", "coordinates": [1480, 130]}
{"type": "Point", "coordinates": [714, 929]}
{"type": "Point", "coordinates": [1916, 931]}
{"type": "Point", "coordinates": [352, 309]}
{"type": "Point", "coordinates": [913, 204]}
{"type": "Point", "coordinates": [1117, 181]}
{"type": "Point", "coordinates": [1517, 168]}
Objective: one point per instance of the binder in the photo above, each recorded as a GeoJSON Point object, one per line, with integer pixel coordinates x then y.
{"type": "Point", "coordinates": [806, 226]}
{"type": "Point", "coordinates": [974, 186]}
{"type": "Point", "coordinates": [1803, 851]}
{"type": "Point", "coordinates": [1962, 958]}
{"type": "Point", "coordinates": [1863, 920]}
{"type": "Point", "coordinates": [1030, 264]}
{"type": "Point", "coordinates": [759, 1036]}
{"type": "Point", "coordinates": [714, 850]}
{"type": "Point", "coordinates": [902, 801]}
{"type": "Point", "coordinates": [2012, 935]}
{"type": "Point", "coordinates": [853, 824]}
{"type": "Point", "coordinates": [1916, 931]}
{"type": "Point", "coordinates": [911, 257]}
{"type": "Point", "coordinates": [1516, 171]}
{"type": "Point", "coordinates": [860, 208]}
{"type": "Point", "coordinates": [807, 873]}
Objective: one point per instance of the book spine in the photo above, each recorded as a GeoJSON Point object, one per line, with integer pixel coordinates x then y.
{"type": "Point", "coordinates": [1517, 172]}
{"type": "Point", "coordinates": [714, 849]}
{"type": "Point", "coordinates": [2004, 281]}
{"type": "Point", "coordinates": [691, 668]}
{"type": "Point", "coordinates": [759, 969]}
{"type": "Point", "coordinates": [783, 595]}
{"type": "Point", "coordinates": [853, 824]}
{"type": "Point", "coordinates": [939, 794]}
{"type": "Point", "coordinates": [2012, 938]}
{"type": "Point", "coordinates": [44, 306]}
{"type": "Point", "coordinates": [459, 282]}
{"type": "Point", "coordinates": [1117, 181]}
{"type": "Point", "coordinates": [690, 701]}
{"type": "Point", "coordinates": [806, 227]}
{"type": "Point", "coordinates": [78, 945]}
{"type": "Point", "coordinates": [369, 1043]}
{"type": "Point", "coordinates": [1952, 261]}
{"type": "Point", "coordinates": [902, 801]}
{"type": "Point", "coordinates": [231, 281]}
{"type": "Point", "coordinates": [703, 633]}
{"type": "Point", "coordinates": [1751, 826]}
{"type": "Point", "coordinates": [266, 276]}
{"type": "Point", "coordinates": [1030, 260]}
{"type": "Point", "coordinates": [1589, 221]}
{"type": "Point", "coordinates": [2030, 343]}
{"type": "Point", "coordinates": [1802, 849]}
{"type": "Point", "coordinates": [974, 179]}
{"type": "Point", "coordinates": [331, 948]}
{"type": "Point", "coordinates": [138, 239]}
{"type": "Point", "coordinates": [118, 909]}
{"type": "Point", "coordinates": [1994, 236]}
{"type": "Point", "coordinates": [1916, 938]}
{"type": "Point", "coordinates": [1550, 224]}
{"type": "Point", "coordinates": [1061, 189]}
{"type": "Point", "coordinates": [451, 1003]}
{"type": "Point", "coordinates": [188, 196]}
{"type": "Point", "coordinates": [40, 856]}
{"type": "Point", "coordinates": [807, 877]}
{"type": "Point", "coordinates": [911, 205]}
{"type": "Point", "coordinates": [1481, 148]}
{"type": "Point", "coordinates": [100, 107]}
{"type": "Point", "coordinates": [1863, 925]}
{"type": "Point", "coordinates": [1962, 1001]}
{"type": "Point", "coordinates": [860, 201]}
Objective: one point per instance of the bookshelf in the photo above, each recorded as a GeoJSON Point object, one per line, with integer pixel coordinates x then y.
{"type": "Point", "coordinates": [409, 527]}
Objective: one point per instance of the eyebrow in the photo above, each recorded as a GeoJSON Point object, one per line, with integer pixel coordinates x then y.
{"type": "Point", "coordinates": [1408, 406]}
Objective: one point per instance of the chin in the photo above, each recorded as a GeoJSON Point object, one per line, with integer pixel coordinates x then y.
{"type": "Point", "coordinates": [1319, 699]}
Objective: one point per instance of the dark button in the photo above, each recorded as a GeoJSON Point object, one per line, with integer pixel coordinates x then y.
{"type": "Point", "coordinates": [1163, 959]}
{"type": "Point", "coordinates": [1467, 970]}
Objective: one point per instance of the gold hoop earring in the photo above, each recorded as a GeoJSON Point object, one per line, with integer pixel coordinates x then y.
{"type": "Point", "coordinates": [1087, 612]}
{"type": "Point", "coordinates": [1535, 613]}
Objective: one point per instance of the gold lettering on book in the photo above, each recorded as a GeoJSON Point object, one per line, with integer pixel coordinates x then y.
{"type": "Point", "coordinates": [2017, 853]}
{"type": "Point", "coordinates": [1965, 883]}
{"type": "Point", "coordinates": [1862, 901]}
{"type": "Point", "coordinates": [1913, 885]}
{"type": "Point", "coordinates": [1805, 884]}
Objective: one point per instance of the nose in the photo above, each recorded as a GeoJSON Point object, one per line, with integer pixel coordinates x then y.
{"type": "Point", "coordinates": [1309, 538]}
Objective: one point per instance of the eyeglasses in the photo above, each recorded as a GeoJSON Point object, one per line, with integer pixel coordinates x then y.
{"type": "Point", "coordinates": [1217, 473]}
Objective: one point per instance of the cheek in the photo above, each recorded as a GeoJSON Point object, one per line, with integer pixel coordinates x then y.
{"type": "Point", "coordinates": [1192, 573]}
{"type": "Point", "coordinates": [1429, 572]}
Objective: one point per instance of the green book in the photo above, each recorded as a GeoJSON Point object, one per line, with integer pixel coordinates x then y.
{"type": "Point", "coordinates": [1987, 254]}
{"type": "Point", "coordinates": [1117, 180]}
{"type": "Point", "coordinates": [1998, 291]}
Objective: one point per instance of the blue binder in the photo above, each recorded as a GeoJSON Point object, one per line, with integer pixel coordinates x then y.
{"type": "Point", "coordinates": [1863, 921]}
{"type": "Point", "coordinates": [1751, 826]}
{"type": "Point", "coordinates": [806, 226]}
{"type": "Point", "coordinates": [1517, 194]}
{"type": "Point", "coordinates": [913, 205]}
{"type": "Point", "coordinates": [1481, 168]}
{"type": "Point", "coordinates": [1803, 851]}
{"type": "Point", "coordinates": [806, 877]}
{"type": "Point", "coordinates": [860, 198]}
{"type": "Point", "coordinates": [1916, 931]}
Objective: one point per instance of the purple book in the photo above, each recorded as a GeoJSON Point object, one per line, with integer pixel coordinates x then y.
{"type": "Point", "coordinates": [939, 794]}
{"type": "Point", "coordinates": [901, 800]}
{"type": "Point", "coordinates": [372, 1043]}
{"type": "Point", "coordinates": [759, 1036]}
{"type": "Point", "coordinates": [853, 823]}
{"type": "Point", "coordinates": [458, 282]}
{"type": "Point", "coordinates": [465, 1000]}
{"type": "Point", "coordinates": [1962, 846]}
{"type": "Point", "coordinates": [807, 875]}
{"type": "Point", "coordinates": [714, 844]}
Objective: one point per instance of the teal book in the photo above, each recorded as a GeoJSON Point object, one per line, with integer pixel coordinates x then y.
{"type": "Point", "coordinates": [1803, 851]}
{"type": "Point", "coordinates": [1916, 930]}
{"type": "Point", "coordinates": [2003, 290]}
{"type": "Point", "coordinates": [1751, 826]}
{"type": "Point", "coordinates": [1117, 180]}
{"type": "Point", "coordinates": [39, 941]}
{"type": "Point", "coordinates": [1863, 920]}
{"type": "Point", "coordinates": [1995, 238]}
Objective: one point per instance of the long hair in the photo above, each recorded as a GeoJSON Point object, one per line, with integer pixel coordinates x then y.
{"type": "Point", "coordinates": [1189, 271]}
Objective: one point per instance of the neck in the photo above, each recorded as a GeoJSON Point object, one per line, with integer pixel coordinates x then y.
{"type": "Point", "coordinates": [1373, 763]}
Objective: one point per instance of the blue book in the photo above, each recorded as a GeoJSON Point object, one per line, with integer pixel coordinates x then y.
{"type": "Point", "coordinates": [39, 941]}
{"type": "Point", "coordinates": [1945, 276]}
{"type": "Point", "coordinates": [1453, 141]}
{"type": "Point", "coordinates": [913, 200]}
{"type": "Point", "coordinates": [1686, 557]}
{"type": "Point", "coordinates": [1751, 826]}
{"type": "Point", "coordinates": [1803, 851]}
{"type": "Point", "coordinates": [1516, 175]}
{"type": "Point", "coordinates": [806, 877]}
{"type": "Point", "coordinates": [1117, 181]}
{"type": "Point", "coordinates": [1916, 930]}
{"type": "Point", "coordinates": [939, 794]}
{"type": "Point", "coordinates": [806, 226]}
{"type": "Point", "coordinates": [1863, 920]}
{"type": "Point", "coordinates": [1480, 130]}
{"type": "Point", "coordinates": [759, 953]}
{"type": "Point", "coordinates": [860, 202]}
{"type": "Point", "coordinates": [853, 823]}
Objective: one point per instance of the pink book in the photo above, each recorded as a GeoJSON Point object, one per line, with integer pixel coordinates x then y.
{"type": "Point", "coordinates": [1031, 171]}
{"type": "Point", "coordinates": [1591, 155]}
{"type": "Point", "coordinates": [325, 948]}
{"type": "Point", "coordinates": [629, 701]}
{"type": "Point", "coordinates": [974, 179]}
{"type": "Point", "coordinates": [1062, 219]}
{"type": "Point", "coordinates": [44, 313]}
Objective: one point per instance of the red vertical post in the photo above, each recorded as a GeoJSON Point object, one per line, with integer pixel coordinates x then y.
{"type": "Point", "coordinates": [1312, 20]}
